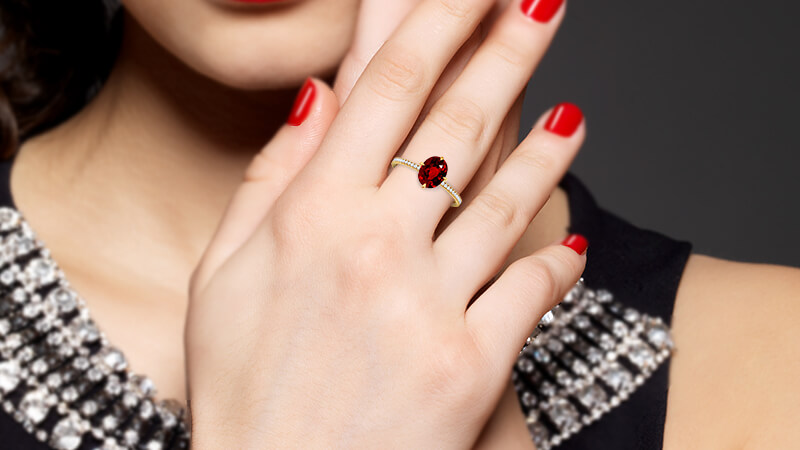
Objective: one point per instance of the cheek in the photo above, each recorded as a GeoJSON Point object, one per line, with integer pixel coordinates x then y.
{"type": "Point", "coordinates": [251, 48]}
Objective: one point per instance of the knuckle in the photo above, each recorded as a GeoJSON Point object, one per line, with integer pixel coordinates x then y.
{"type": "Point", "coordinates": [369, 260]}
{"type": "Point", "coordinates": [445, 375]}
{"type": "Point", "coordinates": [558, 260]}
{"type": "Point", "coordinates": [496, 210]}
{"type": "Point", "coordinates": [397, 74]}
{"type": "Point", "coordinates": [442, 376]}
{"type": "Point", "coordinates": [537, 158]}
{"type": "Point", "coordinates": [260, 166]}
{"type": "Point", "coordinates": [288, 225]}
{"type": "Point", "coordinates": [568, 259]}
{"type": "Point", "coordinates": [541, 279]}
{"type": "Point", "coordinates": [458, 10]}
{"type": "Point", "coordinates": [462, 119]}
{"type": "Point", "coordinates": [509, 53]}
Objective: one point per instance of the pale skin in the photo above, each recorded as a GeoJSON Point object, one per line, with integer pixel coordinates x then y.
{"type": "Point", "coordinates": [158, 156]}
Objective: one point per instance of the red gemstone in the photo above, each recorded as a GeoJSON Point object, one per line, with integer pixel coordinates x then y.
{"type": "Point", "coordinates": [432, 172]}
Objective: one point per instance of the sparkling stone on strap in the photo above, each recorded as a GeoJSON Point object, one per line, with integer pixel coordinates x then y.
{"type": "Point", "coordinates": [584, 362]}
{"type": "Point", "coordinates": [60, 378]}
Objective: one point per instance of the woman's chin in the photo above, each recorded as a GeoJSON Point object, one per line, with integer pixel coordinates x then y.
{"type": "Point", "coordinates": [246, 69]}
{"type": "Point", "coordinates": [253, 5]}
{"type": "Point", "coordinates": [256, 78]}
{"type": "Point", "coordinates": [251, 44]}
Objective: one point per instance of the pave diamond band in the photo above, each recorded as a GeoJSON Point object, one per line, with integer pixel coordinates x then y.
{"type": "Point", "coordinates": [431, 173]}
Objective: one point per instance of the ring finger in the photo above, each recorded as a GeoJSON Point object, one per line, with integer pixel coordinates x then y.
{"type": "Point", "coordinates": [462, 124]}
{"type": "Point", "coordinates": [496, 219]}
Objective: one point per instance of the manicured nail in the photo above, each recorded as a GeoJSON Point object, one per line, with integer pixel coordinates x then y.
{"type": "Point", "coordinates": [541, 10]}
{"type": "Point", "coordinates": [576, 242]}
{"type": "Point", "coordinates": [564, 119]}
{"type": "Point", "coordinates": [302, 104]}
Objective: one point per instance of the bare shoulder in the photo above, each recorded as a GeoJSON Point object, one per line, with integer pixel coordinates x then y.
{"type": "Point", "coordinates": [733, 377]}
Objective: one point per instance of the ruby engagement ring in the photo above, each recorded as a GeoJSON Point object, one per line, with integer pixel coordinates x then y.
{"type": "Point", "coordinates": [431, 173]}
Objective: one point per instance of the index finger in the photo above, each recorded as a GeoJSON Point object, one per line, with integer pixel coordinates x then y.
{"type": "Point", "coordinates": [377, 19]}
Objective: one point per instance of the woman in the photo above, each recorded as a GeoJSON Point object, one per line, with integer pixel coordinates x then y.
{"type": "Point", "coordinates": [332, 302]}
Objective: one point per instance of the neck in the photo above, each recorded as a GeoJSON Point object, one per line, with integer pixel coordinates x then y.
{"type": "Point", "coordinates": [174, 143]}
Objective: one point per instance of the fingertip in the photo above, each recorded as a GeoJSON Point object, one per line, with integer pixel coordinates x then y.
{"type": "Point", "coordinates": [303, 103]}
{"type": "Point", "coordinates": [315, 100]}
{"type": "Point", "coordinates": [564, 120]}
{"type": "Point", "coordinates": [577, 242]}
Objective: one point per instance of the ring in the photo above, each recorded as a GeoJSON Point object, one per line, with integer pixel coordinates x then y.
{"type": "Point", "coordinates": [432, 173]}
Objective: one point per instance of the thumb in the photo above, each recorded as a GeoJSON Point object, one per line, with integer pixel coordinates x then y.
{"type": "Point", "coordinates": [270, 172]}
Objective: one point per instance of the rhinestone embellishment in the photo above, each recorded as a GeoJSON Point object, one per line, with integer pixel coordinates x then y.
{"type": "Point", "coordinates": [590, 356]}
{"type": "Point", "coordinates": [64, 382]}
{"type": "Point", "coordinates": [60, 378]}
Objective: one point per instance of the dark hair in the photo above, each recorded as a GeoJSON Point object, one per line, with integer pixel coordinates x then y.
{"type": "Point", "coordinates": [54, 54]}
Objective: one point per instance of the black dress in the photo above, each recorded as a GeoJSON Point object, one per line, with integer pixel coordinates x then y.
{"type": "Point", "coordinates": [63, 385]}
{"type": "Point", "coordinates": [642, 269]}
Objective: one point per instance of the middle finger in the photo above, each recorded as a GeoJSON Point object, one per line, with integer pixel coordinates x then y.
{"type": "Point", "coordinates": [462, 124]}
{"type": "Point", "coordinates": [389, 95]}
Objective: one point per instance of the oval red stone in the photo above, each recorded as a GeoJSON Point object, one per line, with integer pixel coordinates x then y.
{"type": "Point", "coordinates": [432, 172]}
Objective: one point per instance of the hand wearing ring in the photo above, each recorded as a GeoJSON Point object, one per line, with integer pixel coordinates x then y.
{"type": "Point", "coordinates": [432, 173]}
{"type": "Point", "coordinates": [398, 289]}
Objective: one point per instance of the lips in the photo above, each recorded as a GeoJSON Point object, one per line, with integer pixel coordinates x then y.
{"type": "Point", "coordinates": [257, 1]}
{"type": "Point", "coordinates": [253, 5]}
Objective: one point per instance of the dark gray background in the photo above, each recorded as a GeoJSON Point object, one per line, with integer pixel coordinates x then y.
{"type": "Point", "coordinates": [692, 115]}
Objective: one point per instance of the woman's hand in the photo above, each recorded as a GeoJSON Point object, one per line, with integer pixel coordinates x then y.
{"type": "Point", "coordinates": [326, 314]}
{"type": "Point", "coordinates": [377, 20]}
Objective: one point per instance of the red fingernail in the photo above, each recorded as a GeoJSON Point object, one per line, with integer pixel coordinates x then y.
{"type": "Point", "coordinates": [541, 10]}
{"type": "Point", "coordinates": [302, 104]}
{"type": "Point", "coordinates": [564, 119]}
{"type": "Point", "coordinates": [576, 242]}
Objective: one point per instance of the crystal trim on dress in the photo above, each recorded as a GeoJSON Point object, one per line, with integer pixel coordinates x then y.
{"type": "Point", "coordinates": [591, 355]}
{"type": "Point", "coordinates": [59, 376]}
{"type": "Point", "coordinates": [69, 387]}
